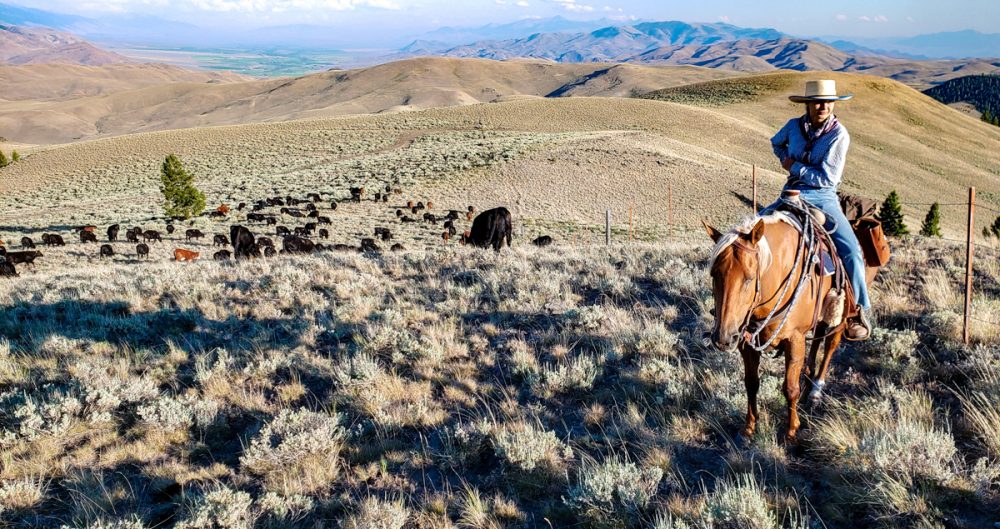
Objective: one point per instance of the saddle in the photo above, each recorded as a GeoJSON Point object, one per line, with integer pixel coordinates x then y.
{"type": "Point", "coordinates": [840, 303]}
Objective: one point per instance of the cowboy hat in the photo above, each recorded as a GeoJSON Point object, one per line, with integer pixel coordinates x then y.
{"type": "Point", "coordinates": [825, 90]}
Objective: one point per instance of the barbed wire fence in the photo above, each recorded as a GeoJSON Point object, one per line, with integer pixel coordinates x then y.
{"type": "Point", "coordinates": [970, 242]}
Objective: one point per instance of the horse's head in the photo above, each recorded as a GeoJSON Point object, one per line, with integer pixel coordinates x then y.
{"type": "Point", "coordinates": [738, 261]}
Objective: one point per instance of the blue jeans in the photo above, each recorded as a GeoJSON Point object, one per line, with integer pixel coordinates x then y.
{"type": "Point", "coordinates": [843, 238]}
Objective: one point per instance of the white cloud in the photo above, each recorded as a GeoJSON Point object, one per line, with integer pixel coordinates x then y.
{"type": "Point", "coordinates": [501, 2]}
{"type": "Point", "coordinates": [724, 18]}
{"type": "Point", "coordinates": [841, 18]}
{"type": "Point", "coordinates": [624, 18]}
{"type": "Point", "coordinates": [571, 5]}
{"type": "Point", "coordinates": [864, 18]}
{"type": "Point", "coordinates": [522, 3]}
{"type": "Point", "coordinates": [909, 19]}
{"type": "Point", "coordinates": [881, 18]}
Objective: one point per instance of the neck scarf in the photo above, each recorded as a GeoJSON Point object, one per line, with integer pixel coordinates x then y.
{"type": "Point", "coordinates": [812, 135]}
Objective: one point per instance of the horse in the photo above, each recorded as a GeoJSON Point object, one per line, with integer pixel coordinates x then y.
{"type": "Point", "coordinates": [757, 278]}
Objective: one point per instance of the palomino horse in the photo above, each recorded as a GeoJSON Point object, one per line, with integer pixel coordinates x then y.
{"type": "Point", "coordinates": [755, 275]}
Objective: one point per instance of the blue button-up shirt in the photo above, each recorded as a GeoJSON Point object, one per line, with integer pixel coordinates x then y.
{"type": "Point", "coordinates": [823, 167]}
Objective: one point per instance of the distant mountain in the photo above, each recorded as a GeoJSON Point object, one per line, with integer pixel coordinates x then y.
{"type": "Point", "coordinates": [25, 16]}
{"type": "Point", "coordinates": [980, 91]}
{"type": "Point", "coordinates": [612, 43]}
{"type": "Point", "coordinates": [33, 45]}
{"type": "Point", "coordinates": [949, 45]}
{"type": "Point", "coordinates": [521, 28]}
{"type": "Point", "coordinates": [753, 55]}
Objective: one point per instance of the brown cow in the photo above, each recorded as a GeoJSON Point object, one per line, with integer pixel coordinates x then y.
{"type": "Point", "coordinates": [180, 254]}
{"type": "Point", "coordinates": [223, 209]}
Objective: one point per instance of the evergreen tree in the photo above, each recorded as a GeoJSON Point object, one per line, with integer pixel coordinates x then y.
{"type": "Point", "coordinates": [987, 116]}
{"type": "Point", "coordinates": [182, 198]}
{"type": "Point", "coordinates": [995, 228]}
{"type": "Point", "coordinates": [891, 215]}
{"type": "Point", "coordinates": [3, 160]}
{"type": "Point", "coordinates": [932, 222]}
{"type": "Point", "coordinates": [14, 156]}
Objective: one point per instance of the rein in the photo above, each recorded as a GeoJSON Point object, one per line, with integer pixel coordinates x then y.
{"type": "Point", "coordinates": [804, 254]}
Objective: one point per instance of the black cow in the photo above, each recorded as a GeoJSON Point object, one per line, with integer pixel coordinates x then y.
{"type": "Point", "coordinates": [357, 193]}
{"type": "Point", "coordinates": [323, 220]}
{"type": "Point", "coordinates": [324, 233]}
{"type": "Point", "coordinates": [88, 236]}
{"type": "Point", "coordinates": [241, 206]}
{"type": "Point", "coordinates": [397, 247]}
{"type": "Point", "coordinates": [221, 255]}
{"type": "Point", "coordinates": [106, 251]}
{"type": "Point", "coordinates": [333, 206]}
{"type": "Point", "coordinates": [491, 228]}
{"type": "Point", "coordinates": [170, 229]}
{"type": "Point", "coordinates": [27, 257]}
{"type": "Point", "coordinates": [429, 217]}
{"type": "Point", "coordinates": [343, 247]}
{"type": "Point", "coordinates": [151, 235]}
{"type": "Point", "coordinates": [270, 221]}
{"type": "Point", "coordinates": [220, 240]}
{"type": "Point", "coordinates": [310, 207]}
{"type": "Point", "coordinates": [544, 240]}
{"type": "Point", "coordinates": [193, 234]}
{"type": "Point", "coordinates": [368, 245]}
{"type": "Point", "coordinates": [314, 197]}
{"type": "Point", "coordinates": [282, 231]}
{"type": "Point", "coordinates": [141, 250]}
{"type": "Point", "coordinates": [383, 233]}
{"type": "Point", "coordinates": [113, 232]}
{"type": "Point", "coordinates": [131, 235]}
{"type": "Point", "coordinates": [255, 217]}
{"type": "Point", "coordinates": [52, 239]}
{"type": "Point", "coordinates": [26, 242]}
{"type": "Point", "coordinates": [269, 251]}
{"type": "Point", "coordinates": [311, 226]}
{"type": "Point", "coordinates": [295, 244]}
{"type": "Point", "coordinates": [313, 214]}
{"type": "Point", "coordinates": [244, 244]}
{"type": "Point", "coordinates": [265, 241]}
{"type": "Point", "coordinates": [7, 269]}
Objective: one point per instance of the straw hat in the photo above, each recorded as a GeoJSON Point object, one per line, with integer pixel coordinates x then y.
{"type": "Point", "coordinates": [825, 90]}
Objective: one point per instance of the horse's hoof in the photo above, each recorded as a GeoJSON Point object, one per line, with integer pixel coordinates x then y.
{"type": "Point", "coordinates": [791, 440]}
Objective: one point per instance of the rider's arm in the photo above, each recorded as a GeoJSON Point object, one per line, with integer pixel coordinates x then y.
{"type": "Point", "coordinates": [779, 143]}
{"type": "Point", "coordinates": [830, 169]}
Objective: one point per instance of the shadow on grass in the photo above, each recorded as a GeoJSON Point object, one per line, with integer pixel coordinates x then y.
{"type": "Point", "coordinates": [29, 326]}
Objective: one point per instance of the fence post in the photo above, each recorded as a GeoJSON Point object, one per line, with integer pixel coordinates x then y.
{"type": "Point", "coordinates": [670, 210]}
{"type": "Point", "coordinates": [753, 173]}
{"type": "Point", "coordinates": [968, 264]}
{"type": "Point", "coordinates": [631, 232]}
{"type": "Point", "coordinates": [607, 227]}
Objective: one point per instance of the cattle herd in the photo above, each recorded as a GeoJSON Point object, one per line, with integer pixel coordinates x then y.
{"type": "Point", "coordinates": [275, 215]}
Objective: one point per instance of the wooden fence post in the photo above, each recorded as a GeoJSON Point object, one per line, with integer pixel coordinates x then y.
{"type": "Point", "coordinates": [607, 227]}
{"type": "Point", "coordinates": [670, 210]}
{"type": "Point", "coordinates": [969, 251]}
{"type": "Point", "coordinates": [631, 231]}
{"type": "Point", "coordinates": [753, 172]}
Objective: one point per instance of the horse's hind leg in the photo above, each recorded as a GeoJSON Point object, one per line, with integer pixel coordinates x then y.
{"type": "Point", "coordinates": [819, 381]}
{"type": "Point", "coordinates": [811, 367]}
{"type": "Point", "coordinates": [795, 350]}
{"type": "Point", "coordinates": [751, 379]}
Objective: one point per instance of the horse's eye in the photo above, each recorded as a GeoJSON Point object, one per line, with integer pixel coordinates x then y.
{"type": "Point", "coordinates": [746, 283]}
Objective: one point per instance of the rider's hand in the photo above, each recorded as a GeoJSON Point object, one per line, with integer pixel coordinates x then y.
{"type": "Point", "coordinates": [787, 163]}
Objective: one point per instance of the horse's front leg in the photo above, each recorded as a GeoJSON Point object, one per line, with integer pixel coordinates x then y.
{"type": "Point", "coordinates": [794, 349]}
{"type": "Point", "coordinates": [751, 379]}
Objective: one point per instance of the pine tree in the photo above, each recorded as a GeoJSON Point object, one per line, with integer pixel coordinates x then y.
{"type": "Point", "coordinates": [987, 116]}
{"type": "Point", "coordinates": [3, 160]}
{"type": "Point", "coordinates": [182, 199]}
{"type": "Point", "coordinates": [932, 222]}
{"type": "Point", "coordinates": [14, 157]}
{"type": "Point", "coordinates": [891, 215]}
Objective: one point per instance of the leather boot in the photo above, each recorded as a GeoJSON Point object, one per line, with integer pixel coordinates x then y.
{"type": "Point", "coordinates": [858, 328]}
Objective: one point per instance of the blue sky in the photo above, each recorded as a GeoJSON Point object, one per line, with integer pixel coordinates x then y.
{"type": "Point", "coordinates": [845, 17]}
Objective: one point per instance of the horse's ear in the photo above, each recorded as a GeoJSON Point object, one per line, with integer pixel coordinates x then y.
{"type": "Point", "coordinates": [757, 232]}
{"type": "Point", "coordinates": [712, 232]}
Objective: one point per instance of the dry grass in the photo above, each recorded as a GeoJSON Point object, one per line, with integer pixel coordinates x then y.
{"type": "Point", "coordinates": [375, 390]}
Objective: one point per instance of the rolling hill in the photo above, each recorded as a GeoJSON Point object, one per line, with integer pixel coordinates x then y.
{"type": "Point", "coordinates": [405, 85]}
{"type": "Point", "coordinates": [35, 45]}
{"type": "Point", "coordinates": [555, 161]}
{"type": "Point", "coordinates": [981, 91]}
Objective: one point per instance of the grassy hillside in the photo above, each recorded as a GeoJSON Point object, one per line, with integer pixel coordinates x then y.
{"type": "Point", "coordinates": [556, 163]}
{"type": "Point", "coordinates": [558, 388]}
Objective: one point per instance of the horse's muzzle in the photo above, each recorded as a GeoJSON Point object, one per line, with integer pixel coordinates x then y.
{"type": "Point", "coordinates": [725, 342]}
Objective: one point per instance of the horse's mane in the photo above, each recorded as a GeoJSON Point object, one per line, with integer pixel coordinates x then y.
{"type": "Point", "coordinates": [743, 228]}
